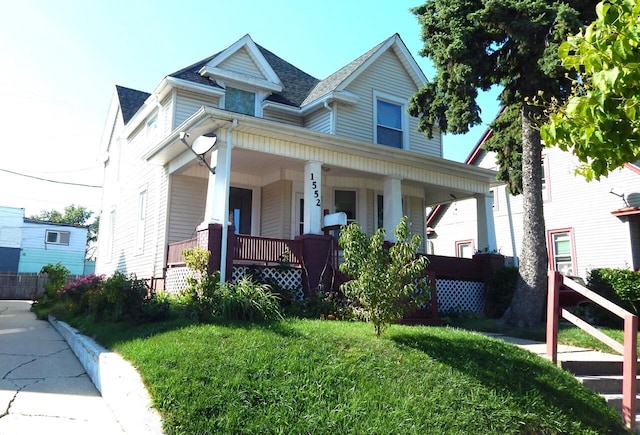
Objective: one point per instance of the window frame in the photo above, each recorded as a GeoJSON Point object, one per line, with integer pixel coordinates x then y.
{"type": "Point", "coordinates": [141, 217]}
{"type": "Point", "coordinates": [551, 249]}
{"type": "Point", "coordinates": [461, 243]}
{"type": "Point", "coordinates": [257, 107]}
{"type": "Point", "coordinates": [404, 118]}
{"type": "Point", "coordinates": [59, 238]}
{"type": "Point", "coordinates": [546, 186]}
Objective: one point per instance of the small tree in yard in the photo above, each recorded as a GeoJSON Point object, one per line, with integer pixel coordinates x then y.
{"type": "Point", "coordinates": [387, 283]}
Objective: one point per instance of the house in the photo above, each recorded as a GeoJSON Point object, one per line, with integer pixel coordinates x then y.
{"type": "Point", "coordinates": [287, 149]}
{"type": "Point", "coordinates": [26, 245]}
{"type": "Point", "coordinates": [588, 225]}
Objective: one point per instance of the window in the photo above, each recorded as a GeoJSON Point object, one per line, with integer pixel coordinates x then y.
{"type": "Point", "coordinates": [152, 125]}
{"type": "Point", "coordinates": [464, 249]}
{"type": "Point", "coordinates": [140, 227]}
{"type": "Point", "coordinates": [239, 101]}
{"type": "Point", "coordinates": [544, 164]}
{"type": "Point", "coordinates": [57, 237]}
{"type": "Point", "coordinates": [561, 251]}
{"type": "Point", "coordinates": [390, 121]}
{"type": "Point", "coordinates": [345, 201]}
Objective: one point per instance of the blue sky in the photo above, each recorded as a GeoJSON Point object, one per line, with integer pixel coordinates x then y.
{"type": "Point", "coordinates": [60, 61]}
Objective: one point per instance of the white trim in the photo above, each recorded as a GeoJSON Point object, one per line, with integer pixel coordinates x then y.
{"type": "Point", "coordinates": [404, 117]}
{"type": "Point", "coordinates": [344, 97]}
{"type": "Point", "coordinates": [400, 49]}
{"type": "Point", "coordinates": [254, 53]}
{"type": "Point", "coordinates": [233, 76]}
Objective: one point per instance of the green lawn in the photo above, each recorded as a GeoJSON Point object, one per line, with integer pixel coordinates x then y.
{"type": "Point", "coordinates": [316, 377]}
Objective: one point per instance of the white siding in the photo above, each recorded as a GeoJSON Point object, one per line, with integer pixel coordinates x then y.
{"type": "Point", "coordinates": [417, 219]}
{"type": "Point", "coordinates": [385, 75]}
{"type": "Point", "coordinates": [188, 103]}
{"type": "Point", "coordinates": [188, 198]}
{"type": "Point", "coordinates": [601, 239]}
{"type": "Point", "coordinates": [320, 120]}
{"type": "Point", "coordinates": [287, 118]}
{"type": "Point", "coordinates": [241, 62]}
{"type": "Point", "coordinates": [276, 210]}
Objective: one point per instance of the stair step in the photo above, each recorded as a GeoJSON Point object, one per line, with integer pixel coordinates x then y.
{"type": "Point", "coordinates": [611, 384]}
{"type": "Point", "coordinates": [615, 401]}
{"type": "Point", "coordinates": [592, 368]}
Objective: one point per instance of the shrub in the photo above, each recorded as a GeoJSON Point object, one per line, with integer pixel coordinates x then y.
{"type": "Point", "coordinates": [80, 294]}
{"type": "Point", "coordinates": [201, 296]}
{"type": "Point", "coordinates": [620, 286]}
{"type": "Point", "coordinates": [387, 283]}
{"type": "Point", "coordinates": [56, 277]}
{"type": "Point", "coordinates": [500, 291]}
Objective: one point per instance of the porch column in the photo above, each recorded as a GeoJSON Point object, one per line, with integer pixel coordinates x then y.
{"type": "Point", "coordinates": [486, 226]}
{"type": "Point", "coordinates": [392, 206]}
{"type": "Point", "coordinates": [216, 210]}
{"type": "Point", "coordinates": [312, 198]}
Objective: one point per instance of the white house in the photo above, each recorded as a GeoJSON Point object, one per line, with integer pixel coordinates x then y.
{"type": "Point", "coordinates": [289, 148]}
{"type": "Point", "coordinates": [588, 225]}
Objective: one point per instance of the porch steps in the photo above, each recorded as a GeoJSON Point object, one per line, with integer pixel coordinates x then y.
{"type": "Point", "coordinates": [602, 374]}
{"type": "Point", "coordinates": [598, 371]}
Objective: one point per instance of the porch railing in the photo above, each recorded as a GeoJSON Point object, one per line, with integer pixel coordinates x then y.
{"type": "Point", "coordinates": [628, 349]}
{"type": "Point", "coordinates": [266, 250]}
{"type": "Point", "coordinates": [174, 251]}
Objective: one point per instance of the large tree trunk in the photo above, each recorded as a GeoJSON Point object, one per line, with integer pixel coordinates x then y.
{"type": "Point", "coordinates": [528, 301]}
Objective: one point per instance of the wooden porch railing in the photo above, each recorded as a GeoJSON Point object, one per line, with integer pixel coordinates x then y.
{"type": "Point", "coordinates": [174, 251]}
{"type": "Point", "coordinates": [628, 349]}
{"type": "Point", "coordinates": [267, 250]}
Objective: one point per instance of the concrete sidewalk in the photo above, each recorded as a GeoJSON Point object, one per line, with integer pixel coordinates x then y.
{"type": "Point", "coordinates": [43, 387]}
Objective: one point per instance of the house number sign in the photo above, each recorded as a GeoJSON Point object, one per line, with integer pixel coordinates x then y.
{"type": "Point", "coordinates": [315, 191]}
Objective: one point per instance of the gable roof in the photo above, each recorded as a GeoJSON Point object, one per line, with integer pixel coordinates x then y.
{"type": "Point", "coordinates": [130, 101]}
{"type": "Point", "coordinates": [345, 75]}
{"type": "Point", "coordinates": [296, 84]}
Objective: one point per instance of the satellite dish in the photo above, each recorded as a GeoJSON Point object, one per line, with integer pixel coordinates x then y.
{"type": "Point", "coordinates": [204, 143]}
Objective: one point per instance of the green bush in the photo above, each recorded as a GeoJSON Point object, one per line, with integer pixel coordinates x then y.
{"type": "Point", "coordinates": [620, 286]}
{"type": "Point", "coordinates": [56, 277]}
{"type": "Point", "coordinates": [201, 296]}
{"type": "Point", "coordinates": [500, 291]}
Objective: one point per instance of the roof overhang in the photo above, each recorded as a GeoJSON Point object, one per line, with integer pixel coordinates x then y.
{"type": "Point", "coordinates": [626, 211]}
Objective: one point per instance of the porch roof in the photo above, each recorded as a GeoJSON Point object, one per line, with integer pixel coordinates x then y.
{"type": "Point", "coordinates": [288, 142]}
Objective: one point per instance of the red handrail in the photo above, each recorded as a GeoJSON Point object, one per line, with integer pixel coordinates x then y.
{"type": "Point", "coordinates": [628, 349]}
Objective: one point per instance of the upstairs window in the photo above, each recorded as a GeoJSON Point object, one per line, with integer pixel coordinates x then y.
{"type": "Point", "coordinates": [57, 237]}
{"type": "Point", "coordinates": [239, 101]}
{"type": "Point", "coordinates": [390, 121]}
{"type": "Point", "coordinates": [464, 249]}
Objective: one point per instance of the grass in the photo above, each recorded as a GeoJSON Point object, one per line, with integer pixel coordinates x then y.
{"type": "Point", "coordinates": [567, 333]}
{"type": "Point", "coordinates": [308, 376]}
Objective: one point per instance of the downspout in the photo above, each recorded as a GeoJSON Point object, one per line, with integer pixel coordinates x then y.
{"type": "Point", "coordinates": [331, 116]}
{"type": "Point", "coordinates": [225, 221]}
{"type": "Point", "coordinates": [513, 238]}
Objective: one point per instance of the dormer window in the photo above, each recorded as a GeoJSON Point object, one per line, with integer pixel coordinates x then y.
{"type": "Point", "coordinates": [240, 101]}
{"type": "Point", "coordinates": [390, 121]}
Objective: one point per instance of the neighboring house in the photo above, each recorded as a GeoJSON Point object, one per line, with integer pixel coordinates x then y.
{"type": "Point", "coordinates": [50, 243]}
{"type": "Point", "coordinates": [588, 225]}
{"type": "Point", "coordinates": [290, 148]}
{"type": "Point", "coordinates": [10, 238]}
{"type": "Point", "coordinates": [26, 245]}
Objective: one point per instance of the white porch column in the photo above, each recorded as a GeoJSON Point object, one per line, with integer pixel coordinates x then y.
{"type": "Point", "coordinates": [217, 190]}
{"type": "Point", "coordinates": [486, 226]}
{"type": "Point", "coordinates": [392, 206]}
{"type": "Point", "coordinates": [312, 198]}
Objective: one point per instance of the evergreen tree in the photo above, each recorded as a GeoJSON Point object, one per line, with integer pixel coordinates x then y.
{"type": "Point", "coordinates": [476, 44]}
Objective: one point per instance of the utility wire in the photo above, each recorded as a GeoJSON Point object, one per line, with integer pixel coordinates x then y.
{"type": "Point", "coordinates": [51, 181]}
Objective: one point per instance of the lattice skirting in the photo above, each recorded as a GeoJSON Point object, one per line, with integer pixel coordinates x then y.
{"type": "Point", "coordinates": [176, 279]}
{"type": "Point", "coordinates": [288, 278]}
{"type": "Point", "coordinates": [460, 295]}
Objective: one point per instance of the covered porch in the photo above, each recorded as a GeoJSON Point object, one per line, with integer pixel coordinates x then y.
{"type": "Point", "coordinates": [266, 187]}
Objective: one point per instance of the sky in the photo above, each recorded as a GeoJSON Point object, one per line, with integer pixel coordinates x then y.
{"type": "Point", "coordinates": [60, 61]}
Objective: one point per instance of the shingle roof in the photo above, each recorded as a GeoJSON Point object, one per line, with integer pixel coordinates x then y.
{"type": "Point", "coordinates": [130, 101]}
{"type": "Point", "coordinates": [332, 82]}
{"type": "Point", "coordinates": [296, 83]}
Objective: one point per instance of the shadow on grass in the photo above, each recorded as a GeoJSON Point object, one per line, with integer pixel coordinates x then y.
{"type": "Point", "coordinates": [494, 363]}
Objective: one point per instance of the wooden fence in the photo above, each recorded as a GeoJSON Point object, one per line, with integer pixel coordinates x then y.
{"type": "Point", "coordinates": [24, 286]}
